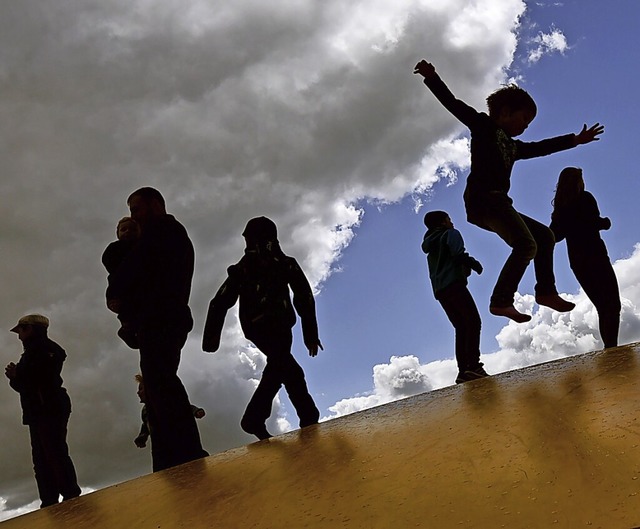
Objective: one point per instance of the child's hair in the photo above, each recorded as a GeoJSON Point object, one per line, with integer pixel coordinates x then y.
{"type": "Point", "coordinates": [570, 185]}
{"type": "Point", "coordinates": [511, 97]}
{"type": "Point", "coordinates": [138, 378]}
{"type": "Point", "coordinates": [433, 219]}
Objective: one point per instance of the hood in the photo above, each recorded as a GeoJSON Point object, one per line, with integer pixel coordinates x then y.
{"type": "Point", "coordinates": [432, 239]}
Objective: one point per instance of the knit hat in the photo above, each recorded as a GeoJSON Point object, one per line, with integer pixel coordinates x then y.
{"type": "Point", "coordinates": [32, 319]}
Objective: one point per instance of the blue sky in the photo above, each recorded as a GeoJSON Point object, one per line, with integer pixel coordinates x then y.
{"type": "Point", "coordinates": [383, 278]}
{"type": "Point", "coordinates": [308, 113]}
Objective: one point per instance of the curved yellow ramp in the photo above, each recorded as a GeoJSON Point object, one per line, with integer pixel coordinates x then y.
{"type": "Point", "coordinates": [556, 445]}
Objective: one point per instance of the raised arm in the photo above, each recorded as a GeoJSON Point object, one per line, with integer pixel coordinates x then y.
{"type": "Point", "coordinates": [463, 112]}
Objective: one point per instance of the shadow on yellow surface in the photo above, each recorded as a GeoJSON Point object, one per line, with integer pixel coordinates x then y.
{"type": "Point", "coordinates": [553, 445]}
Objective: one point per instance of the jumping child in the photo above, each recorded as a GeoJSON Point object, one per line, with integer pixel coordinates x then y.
{"type": "Point", "coordinates": [488, 205]}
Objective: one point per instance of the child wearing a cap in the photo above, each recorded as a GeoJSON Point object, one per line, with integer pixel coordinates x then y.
{"type": "Point", "coordinates": [45, 408]}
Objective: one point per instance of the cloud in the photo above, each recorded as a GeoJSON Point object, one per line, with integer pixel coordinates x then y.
{"type": "Point", "coordinates": [546, 44]}
{"type": "Point", "coordinates": [548, 336]}
{"type": "Point", "coordinates": [293, 109]}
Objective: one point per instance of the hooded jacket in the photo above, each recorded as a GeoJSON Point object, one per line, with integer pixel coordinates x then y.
{"type": "Point", "coordinates": [447, 259]}
{"type": "Point", "coordinates": [261, 280]}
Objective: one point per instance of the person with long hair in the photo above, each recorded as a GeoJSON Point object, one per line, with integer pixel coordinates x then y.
{"type": "Point", "coordinates": [577, 219]}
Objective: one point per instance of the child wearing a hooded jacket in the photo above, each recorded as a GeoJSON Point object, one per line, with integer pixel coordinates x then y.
{"type": "Point", "coordinates": [449, 267]}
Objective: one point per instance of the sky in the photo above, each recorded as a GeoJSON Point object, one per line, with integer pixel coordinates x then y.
{"type": "Point", "coordinates": [309, 113]}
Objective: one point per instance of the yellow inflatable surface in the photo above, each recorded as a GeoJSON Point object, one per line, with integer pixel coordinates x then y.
{"type": "Point", "coordinates": [555, 445]}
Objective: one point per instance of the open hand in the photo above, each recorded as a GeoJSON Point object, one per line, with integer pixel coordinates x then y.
{"type": "Point", "coordinates": [587, 135]}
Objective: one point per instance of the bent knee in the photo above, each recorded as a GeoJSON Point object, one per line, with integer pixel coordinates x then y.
{"type": "Point", "coordinates": [526, 248]}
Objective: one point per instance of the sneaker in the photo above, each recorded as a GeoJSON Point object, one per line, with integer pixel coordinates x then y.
{"type": "Point", "coordinates": [555, 302]}
{"type": "Point", "coordinates": [476, 372]}
{"type": "Point", "coordinates": [259, 430]}
{"type": "Point", "coordinates": [511, 313]}
{"type": "Point", "coordinates": [471, 374]}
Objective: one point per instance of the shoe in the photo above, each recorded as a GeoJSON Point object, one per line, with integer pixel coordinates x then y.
{"type": "Point", "coordinates": [511, 313]}
{"type": "Point", "coordinates": [259, 430]}
{"type": "Point", "coordinates": [476, 372]}
{"type": "Point", "coordinates": [471, 374]}
{"type": "Point", "coordinates": [555, 302]}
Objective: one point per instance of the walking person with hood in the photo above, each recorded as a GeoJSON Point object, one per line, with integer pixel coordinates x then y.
{"type": "Point", "coordinates": [261, 280]}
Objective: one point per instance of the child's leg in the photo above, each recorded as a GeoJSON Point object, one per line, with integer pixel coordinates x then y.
{"type": "Point", "coordinates": [546, 293]}
{"type": "Point", "coordinates": [598, 280]}
{"type": "Point", "coordinates": [458, 304]}
{"type": "Point", "coordinates": [543, 260]}
{"type": "Point", "coordinates": [509, 225]}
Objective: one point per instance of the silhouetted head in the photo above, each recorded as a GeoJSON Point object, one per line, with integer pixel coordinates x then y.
{"type": "Point", "coordinates": [512, 108]}
{"type": "Point", "coordinates": [437, 219]}
{"type": "Point", "coordinates": [146, 204]}
{"type": "Point", "coordinates": [31, 326]}
{"type": "Point", "coordinates": [570, 185]}
{"type": "Point", "coordinates": [127, 229]}
{"type": "Point", "coordinates": [260, 230]}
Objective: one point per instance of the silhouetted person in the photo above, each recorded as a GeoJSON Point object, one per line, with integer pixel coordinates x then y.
{"type": "Point", "coordinates": [261, 279]}
{"type": "Point", "coordinates": [449, 267]}
{"type": "Point", "coordinates": [45, 408]}
{"type": "Point", "coordinates": [487, 203]}
{"type": "Point", "coordinates": [128, 233]}
{"type": "Point", "coordinates": [155, 279]}
{"type": "Point", "coordinates": [147, 426]}
{"type": "Point", "coordinates": [577, 219]}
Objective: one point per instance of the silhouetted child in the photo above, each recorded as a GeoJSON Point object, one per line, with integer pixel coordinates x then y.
{"type": "Point", "coordinates": [261, 279]}
{"type": "Point", "coordinates": [487, 203]}
{"type": "Point", "coordinates": [128, 233]}
{"type": "Point", "coordinates": [577, 219]}
{"type": "Point", "coordinates": [46, 408]}
{"type": "Point", "coordinates": [146, 429]}
{"type": "Point", "coordinates": [449, 267]}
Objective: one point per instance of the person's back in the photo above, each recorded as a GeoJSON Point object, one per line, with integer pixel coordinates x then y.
{"type": "Point", "coordinates": [261, 281]}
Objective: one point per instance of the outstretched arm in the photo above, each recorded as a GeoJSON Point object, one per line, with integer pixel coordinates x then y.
{"type": "Point", "coordinates": [587, 135]}
{"type": "Point", "coordinates": [463, 112]}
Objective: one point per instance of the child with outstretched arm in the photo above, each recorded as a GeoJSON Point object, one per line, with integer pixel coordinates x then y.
{"type": "Point", "coordinates": [488, 205]}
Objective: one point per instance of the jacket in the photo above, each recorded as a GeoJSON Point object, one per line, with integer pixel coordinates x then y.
{"type": "Point", "coordinates": [447, 259]}
{"type": "Point", "coordinates": [38, 381]}
{"type": "Point", "coordinates": [262, 284]}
